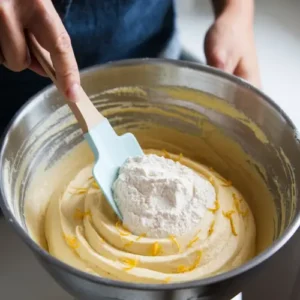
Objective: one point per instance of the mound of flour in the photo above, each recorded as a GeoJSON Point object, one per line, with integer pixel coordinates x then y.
{"type": "Point", "coordinates": [160, 197]}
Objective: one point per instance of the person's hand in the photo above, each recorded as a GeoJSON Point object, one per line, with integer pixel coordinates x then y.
{"type": "Point", "coordinates": [41, 19]}
{"type": "Point", "coordinates": [230, 46]}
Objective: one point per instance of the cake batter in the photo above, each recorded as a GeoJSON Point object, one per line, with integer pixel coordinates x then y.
{"type": "Point", "coordinates": [82, 230]}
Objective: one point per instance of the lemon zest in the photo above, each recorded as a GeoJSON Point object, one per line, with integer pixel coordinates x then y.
{"type": "Point", "coordinates": [95, 185]}
{"type": "Point", "coordinates": [211, 180]}
{"type": "Point", "coordinates": [166, 154]}
{"type": "Point", "coordinates": [167, 280]}
{"type": "Point", "coordinates": [192, 242]}
{"type": "Point", "coordinates": [71, 241]}
{"type": "Point", "coordinates": [237, 203]}
{"type": "Point", "coordinates": [128, 244]}
{"type": "Point", "coordinates": [79, 191]}
{"type": "Point", "coordinates": [184, 269]}
{"type": "Point", "coordinates": [197, 260]}
{"type": "Point", "coordinates": [140, 236]}
{"type": "Point", "coordinates": [228, 215]}
{"type": "Point", "coordinates": [211, 228]}
{"type": "Point", "coordinates": [156, 249]}
{"type": "Point", "coordinates": [121, 229]}
{"type": "Point", "coordinates": [174, 241]}
{"type": "Point", "coordinates": [179, 158]}
{"type": "Point", "coordinates": [216, 208]}
{"type": "Point", "coordinates": [131, 263]}
{"type": "Point", "coordinates": [227, 183]}
{"type": "Point", "coordinates": [79, 214]}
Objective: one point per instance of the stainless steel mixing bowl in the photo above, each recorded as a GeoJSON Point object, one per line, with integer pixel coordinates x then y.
{"type": "Point", "coordinates": [182, 90]}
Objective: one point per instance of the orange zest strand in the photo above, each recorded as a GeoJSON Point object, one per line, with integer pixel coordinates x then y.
{"type": "Point", "coordinates": [182, 269]}
{"type": "Point", "coordinates": [211, 228]}
{"type": "Point", "coordinates": [179, 158]}
{"type": "Point", "coordinates": [167, 280]}
{"type": "Point", "coordinates": [71, 241]}
{"type": "Point", "coordinates": [129, 262]}
{"type": "Point", "coordinates": [192, 242]}
{"type": "Point", "coordinates": [227, 183]}
{"type": "Point", "coordinates": [175, 242]}
{"type": "Point", "coordinates": [140, 236]}
{"type": "Point", "coordinates": [228, 215]}
{"type": "Point", "coordinates": [237, 204]}
{"type": "Point", "coordinates": [128, 244]}
{"type": "Point", "coordinates": [79, 191]}
{"type": "Point", "coordinates": [197, 260]}
{"type": "Point", "coordinates": [156, 249]}
{"type": "Point", "coordinates": [196, 263]}
{"type": "Point", "coordinates": [216, 208]}
{"type": "Point", "coordinates": [166, 154]}
{"type": "Point", "coordinates": [95, 185]}
{"type": "Point", "coordinates": [79, 214]}
{"type": "Point", "coordinates": [121, 229]}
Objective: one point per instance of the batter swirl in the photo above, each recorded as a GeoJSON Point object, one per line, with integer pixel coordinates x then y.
{"type": "Point", "coordinates": [82, 230]}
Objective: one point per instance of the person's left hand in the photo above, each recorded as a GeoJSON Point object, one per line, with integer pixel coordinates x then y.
{"type": "Point", "coordinates": [230, 46]}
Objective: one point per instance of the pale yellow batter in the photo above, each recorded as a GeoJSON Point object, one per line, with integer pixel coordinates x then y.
{"type": "Point", "coordinates": [76, 231]}
{"type": "Point", "coordinates": [82, 230]}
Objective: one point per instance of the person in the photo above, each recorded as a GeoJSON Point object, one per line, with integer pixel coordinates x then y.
{"type": "Point", "coordinates": [98, 31]}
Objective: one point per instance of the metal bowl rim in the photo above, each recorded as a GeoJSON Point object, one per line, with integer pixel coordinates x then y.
{"type": "Point", "coordinates": [266, 254]}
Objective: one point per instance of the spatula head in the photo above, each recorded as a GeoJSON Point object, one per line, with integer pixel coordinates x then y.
{"type": "Point", "coordinates": [111, 152]}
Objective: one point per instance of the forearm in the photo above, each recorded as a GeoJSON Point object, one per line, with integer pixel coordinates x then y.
{"type": "Point", "coordinates": [243, 9]}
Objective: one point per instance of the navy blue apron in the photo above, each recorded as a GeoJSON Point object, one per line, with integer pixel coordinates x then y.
{"type": "Point", "coordinates": [101, 31]}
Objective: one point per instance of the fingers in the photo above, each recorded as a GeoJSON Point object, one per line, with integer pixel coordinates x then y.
{"type": "Point", "coordinates": [12, 40]}
{"type": "Point", "coordinates": [248, 71]}
{"type": "Point", "coordinates": [36, 67]}
{"type": "Point", "coordinates": [218, 51]}
{"type": "Point", "coordinates": [220, 59]}
{"type": "Point", "coordinates": [228, 50]}
{"type": "Point", "coordinates": [50, 32]}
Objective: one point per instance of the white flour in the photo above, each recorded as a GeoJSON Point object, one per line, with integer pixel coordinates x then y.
{"type": "Point", "coordinates": [160, 197]}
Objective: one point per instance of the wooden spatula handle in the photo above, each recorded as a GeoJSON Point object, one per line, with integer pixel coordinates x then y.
{"type": "Point", "coordinates": [85, 112]}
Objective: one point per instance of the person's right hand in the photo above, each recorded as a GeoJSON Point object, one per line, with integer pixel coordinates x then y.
{"type": "Point", "coordinates": [41, 19]}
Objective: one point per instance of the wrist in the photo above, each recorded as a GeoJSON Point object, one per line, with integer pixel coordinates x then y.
{"type": "Point", "coordinates": [240, 12]}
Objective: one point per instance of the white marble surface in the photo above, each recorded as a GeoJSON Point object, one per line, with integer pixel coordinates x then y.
{"type": "Point", "coordinates": [277, 26]}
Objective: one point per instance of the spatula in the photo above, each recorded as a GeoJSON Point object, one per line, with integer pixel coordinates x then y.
{"type": "Point", "coordinates": [110, 150]}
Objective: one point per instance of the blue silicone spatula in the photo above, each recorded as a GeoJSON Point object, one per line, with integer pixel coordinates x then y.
{"type": "Point", "coordinates": [110, 150]}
